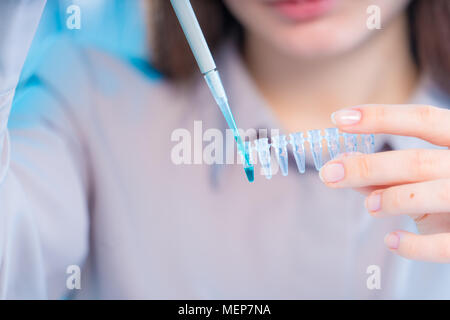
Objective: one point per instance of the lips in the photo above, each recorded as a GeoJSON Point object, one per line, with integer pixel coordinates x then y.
{"type": "Point", "coordinates": [300, 10]}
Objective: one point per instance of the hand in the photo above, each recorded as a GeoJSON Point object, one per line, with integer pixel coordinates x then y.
{"type": "Point", "coordinates": [406, 182]}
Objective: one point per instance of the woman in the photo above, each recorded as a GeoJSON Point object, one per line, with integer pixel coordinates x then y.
{"type": "Point", "coordinates": [90, 181]}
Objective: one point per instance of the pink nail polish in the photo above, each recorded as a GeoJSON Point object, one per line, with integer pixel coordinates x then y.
{"type": "Point", "coordinates": [373, 202]}
{"type": "Point", "coordinates": [333, 172]}
{"type": "Point", "coordinates": [392, 240]}
{"type": "Point", "coordinates": [346, 117]}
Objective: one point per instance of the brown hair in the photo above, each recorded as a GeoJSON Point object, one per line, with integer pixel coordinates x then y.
{"type": "Point", "coordinates": [429, 30]}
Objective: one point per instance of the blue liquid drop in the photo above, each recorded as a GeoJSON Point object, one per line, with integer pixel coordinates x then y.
{"type": "Point", "coordinates": [250, 172]}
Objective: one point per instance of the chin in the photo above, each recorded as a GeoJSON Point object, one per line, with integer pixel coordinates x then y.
{"type": "Point", "coordinates": [320, 41]}
{"type": "Point", "coordinates": [312, 28]}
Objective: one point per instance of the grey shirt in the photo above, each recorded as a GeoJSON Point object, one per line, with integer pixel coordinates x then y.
{"type": "Point", "coordinates": [91, 183]}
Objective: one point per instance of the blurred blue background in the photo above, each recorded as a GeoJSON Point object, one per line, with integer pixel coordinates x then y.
{"type": "Point", "coordinates": [117, 26]}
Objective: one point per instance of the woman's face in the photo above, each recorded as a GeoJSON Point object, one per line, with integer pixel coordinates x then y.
{"type": "Point", "coordinates": [313, 28]}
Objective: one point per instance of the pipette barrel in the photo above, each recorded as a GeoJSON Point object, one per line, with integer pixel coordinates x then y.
{"type": "Point", "coordinates": [194, 35]}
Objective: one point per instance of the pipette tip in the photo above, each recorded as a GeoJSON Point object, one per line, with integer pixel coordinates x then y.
{"type": "Point", "coordinates": [250, 172]}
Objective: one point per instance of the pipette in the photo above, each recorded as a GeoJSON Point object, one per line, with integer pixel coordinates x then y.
{"type": "Point", "coordinates": [197, 42]}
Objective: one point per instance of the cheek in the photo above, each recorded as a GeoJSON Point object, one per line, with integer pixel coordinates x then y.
{"type": "Point", "coordinates": [342, 30]}
{"type": "Point", "coordinates": [252, 14]}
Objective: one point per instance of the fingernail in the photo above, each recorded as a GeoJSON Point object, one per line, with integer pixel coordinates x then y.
{"type": "Point", "coordinates": [373, 202]}
{"type": "Point", "coordinates": [346, 117]}
{"type": "Point", "coordinates": [333, 172]}
{"type": "Point", "coordinates": [392, 240]}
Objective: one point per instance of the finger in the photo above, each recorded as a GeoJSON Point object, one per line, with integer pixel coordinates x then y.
{"type": "Point", "coordinates": [417, 198]}
{"type": "Point", "coordinates": [363, 190]}
{"type": "Point", "coordinates": [368, 190]}
{"type": "Point", "coordinates": [425, 122]}
{"type": "Point", "coordinates": [386, 168]}
{"type": "Point", "coordinates": [431, 248]}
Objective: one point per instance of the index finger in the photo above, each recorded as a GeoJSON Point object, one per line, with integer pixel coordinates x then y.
{"type": "Point", "coordinates": [421, 121]}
